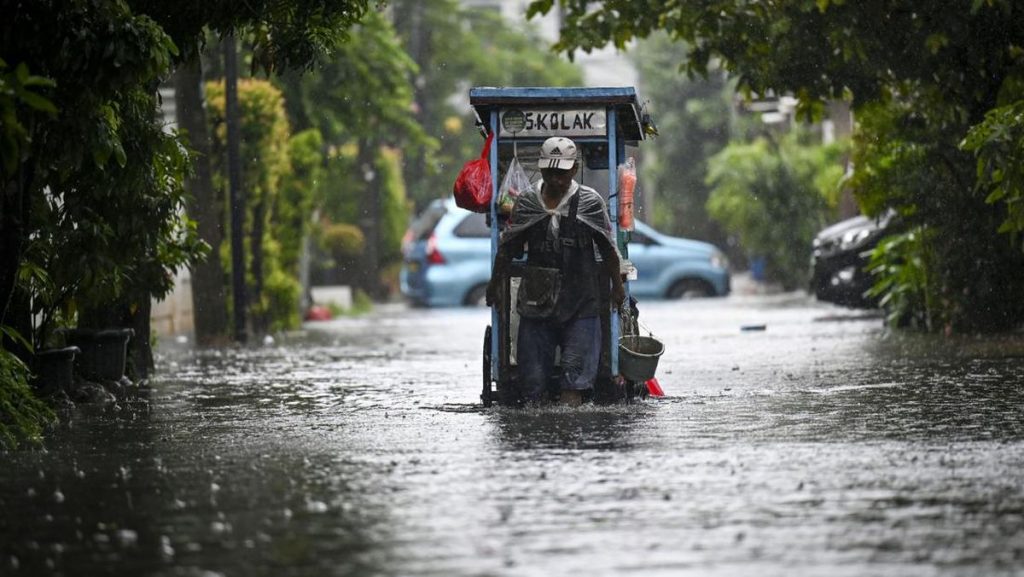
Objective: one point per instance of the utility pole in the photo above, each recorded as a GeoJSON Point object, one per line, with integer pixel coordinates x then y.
{"type": "Point", "coordinates": [234, 187]}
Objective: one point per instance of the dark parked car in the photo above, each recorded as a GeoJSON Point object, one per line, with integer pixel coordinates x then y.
{"type": "Point", "coordinates": [839, 257]}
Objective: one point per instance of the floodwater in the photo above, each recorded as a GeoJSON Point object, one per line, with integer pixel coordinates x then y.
{"type": "Point", "coordinates": [821, 445]}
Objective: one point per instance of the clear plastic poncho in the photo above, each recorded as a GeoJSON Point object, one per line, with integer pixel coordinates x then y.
{"type": "Point", "coordinates": [530, 210]}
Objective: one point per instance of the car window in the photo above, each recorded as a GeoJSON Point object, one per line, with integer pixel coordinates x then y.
{"type": "Point", "coordinates": [424, 224]}
{"type": "Point", "coordinates": [473, 226]}
{"type": "Point", "coordinates": [640, 238]}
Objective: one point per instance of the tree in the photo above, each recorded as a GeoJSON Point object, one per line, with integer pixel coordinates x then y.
{"type": "Point", "coordinates": [456, 47]}
{"type": "Point", "coordinates": [373, 100]}
{"type": "Point", "coordinates": [100, 143]}
{"type": "Point", "coordinates": [694, 116]}
{"type": "Point", "coordinates": [907, 158]}
{"type": "Point", "coordinates": [111, 237]}
{"type": "Point", "coordinates": [927, 72]}
{"type": "Point", "coordinates": [97, 49]}
{"type": "Point", "coordinates": [819, 49]}
{"type": "Point", "coordinates": [394, 216]}
{"type": "Point", "coordinates": [301, 196]}
{"type": "Point", "coordinates": [284, 36]}
{"type": "Point", "coordinates": [776, 196]}
{"type": "Point", "coordinates": [291, 35]}
{"type": "Point", "coordinates": [266, 152]}
{"type": "Point", "coordinates": [361, 102]}
{"type": "Point", "coordinates": [84, 156]}
{"type": "Point", "coordinates": [21, 106]}
{"type": "Point", "coordinates": [209, 294]}
{"type": "Point", "coordinates": [998, 144]}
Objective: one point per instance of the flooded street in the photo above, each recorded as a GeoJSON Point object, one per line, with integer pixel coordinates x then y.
{"type": "Point", "coordinates": [819, 445]}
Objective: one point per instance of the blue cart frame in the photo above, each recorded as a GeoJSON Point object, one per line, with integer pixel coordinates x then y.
{"type": "Point", "coordinates": [535, 114]}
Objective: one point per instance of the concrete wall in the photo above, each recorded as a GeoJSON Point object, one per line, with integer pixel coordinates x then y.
{"type": "Point", "coordinates": [172, 316]}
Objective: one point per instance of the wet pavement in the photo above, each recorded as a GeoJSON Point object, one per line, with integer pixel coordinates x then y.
{"type": "Point", "coordinates": [819, 445]}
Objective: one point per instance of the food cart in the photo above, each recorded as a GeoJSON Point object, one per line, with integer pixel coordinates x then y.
{"type": "Point", "coordinates": [604, 123]}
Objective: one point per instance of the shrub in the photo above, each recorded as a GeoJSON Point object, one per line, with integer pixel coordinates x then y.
{"type": "Point", "coordinates": [901, 266]}
{"type": "Point", "coordinates": [775, 198]}
{"type": "Point", "coordinates": [22, 415]}
{"type": "Point", "coordinates": [343, 240]}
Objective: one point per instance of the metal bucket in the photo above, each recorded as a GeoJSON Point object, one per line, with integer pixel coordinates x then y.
{"type": "Point", "coordinates": [638, 357]}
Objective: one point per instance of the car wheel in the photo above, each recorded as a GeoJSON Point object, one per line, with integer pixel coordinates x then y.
{"type": "Point", "coordinates": [690, 288]}
{"type": "Point", "coordinates": [476, 297]}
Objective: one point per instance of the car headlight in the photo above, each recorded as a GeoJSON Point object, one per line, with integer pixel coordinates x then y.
{"type": "Point", "coordinates": [854, 238]}
{"type": "Point", "coordinates": [719, 260]}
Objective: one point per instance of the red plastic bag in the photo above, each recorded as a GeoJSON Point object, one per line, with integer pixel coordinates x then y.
{"type": "Point", "coordinates": [474, 187]}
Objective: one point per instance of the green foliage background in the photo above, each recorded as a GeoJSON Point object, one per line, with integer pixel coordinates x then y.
{"type": "Point", "coordinates": [87, 179]}
{"type": "Point", "coordinates": [919, 77]}
{"type": "Point", "coordinates": [22, 415]}
{"type": "Point", "coordinates": [266, 163]}
{"type": "Point", "coordinates": [998, 145]}
{"type": "Point", "coordinates": [456, 47]}
{"type": "Point", "coordinates": [90, 206]}
{"type": "Point", "coordinates": [301, 196]}
{"type": "Point", "coordinates": [693, 115]}
{"type": "Point", "coordinates": [361, 101]}
{"type": "Point", "coordinates": [908, 158]}
{"type": "Point", "coordinates": [776, 195]}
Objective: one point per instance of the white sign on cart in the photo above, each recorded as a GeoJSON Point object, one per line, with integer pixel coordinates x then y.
{"type": "Point", "coordinates": [541, 122]}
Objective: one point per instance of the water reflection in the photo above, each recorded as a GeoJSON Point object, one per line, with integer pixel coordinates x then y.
{"type": "Point", "coordinates": [589, 427]}
{"type": "Point", "coordinates": [361, 449]}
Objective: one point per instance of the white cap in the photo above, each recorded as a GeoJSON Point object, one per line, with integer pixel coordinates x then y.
{"type": "Point", "coordinates": [557, 152]}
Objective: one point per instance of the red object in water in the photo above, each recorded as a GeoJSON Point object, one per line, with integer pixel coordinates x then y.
{"type": "Point", "coordinates": [653, 388]}
{"type": "Point", "coordinates": [318, 313]}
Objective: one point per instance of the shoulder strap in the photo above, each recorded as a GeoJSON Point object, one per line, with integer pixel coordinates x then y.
{"type": "Point", "coordinates": [567, 230]}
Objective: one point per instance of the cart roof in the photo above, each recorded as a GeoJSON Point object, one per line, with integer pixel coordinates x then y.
{"type": "Point", "coordinates": [622, 99]}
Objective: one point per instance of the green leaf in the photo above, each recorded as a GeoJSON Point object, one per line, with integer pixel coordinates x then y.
{"type": "Point", "coordinates": [38, 102]}
{"type": "Point", "coordinates": [936, 42]}
{"type": "Point", "coordinates": [21, 73]}
{"type": "Point", "coordinates": [13, 334]}
{"type": "Point", "coordinates": [539, 7]}
{"type": "Point", "coordinates": [994, 196]}
{"type": "Point", "coordinates": [39, 81]}
{"type": "Point", "coordinates": [119, 155]}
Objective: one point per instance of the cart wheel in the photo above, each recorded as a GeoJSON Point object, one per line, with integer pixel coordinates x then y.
{"type": "Point", "coordinates": [487, 396]}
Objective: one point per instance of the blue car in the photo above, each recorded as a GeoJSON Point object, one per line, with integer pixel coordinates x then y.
{"type": "Point", "coordinates": [446, 257]}
{"type": "Point", "coordinates": [672, 267]}
{"type": "Point", "coordinates": [447, 261]}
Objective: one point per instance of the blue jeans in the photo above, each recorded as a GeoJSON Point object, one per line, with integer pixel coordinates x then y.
{"type": "Point", "coordinates": [580, 342]}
